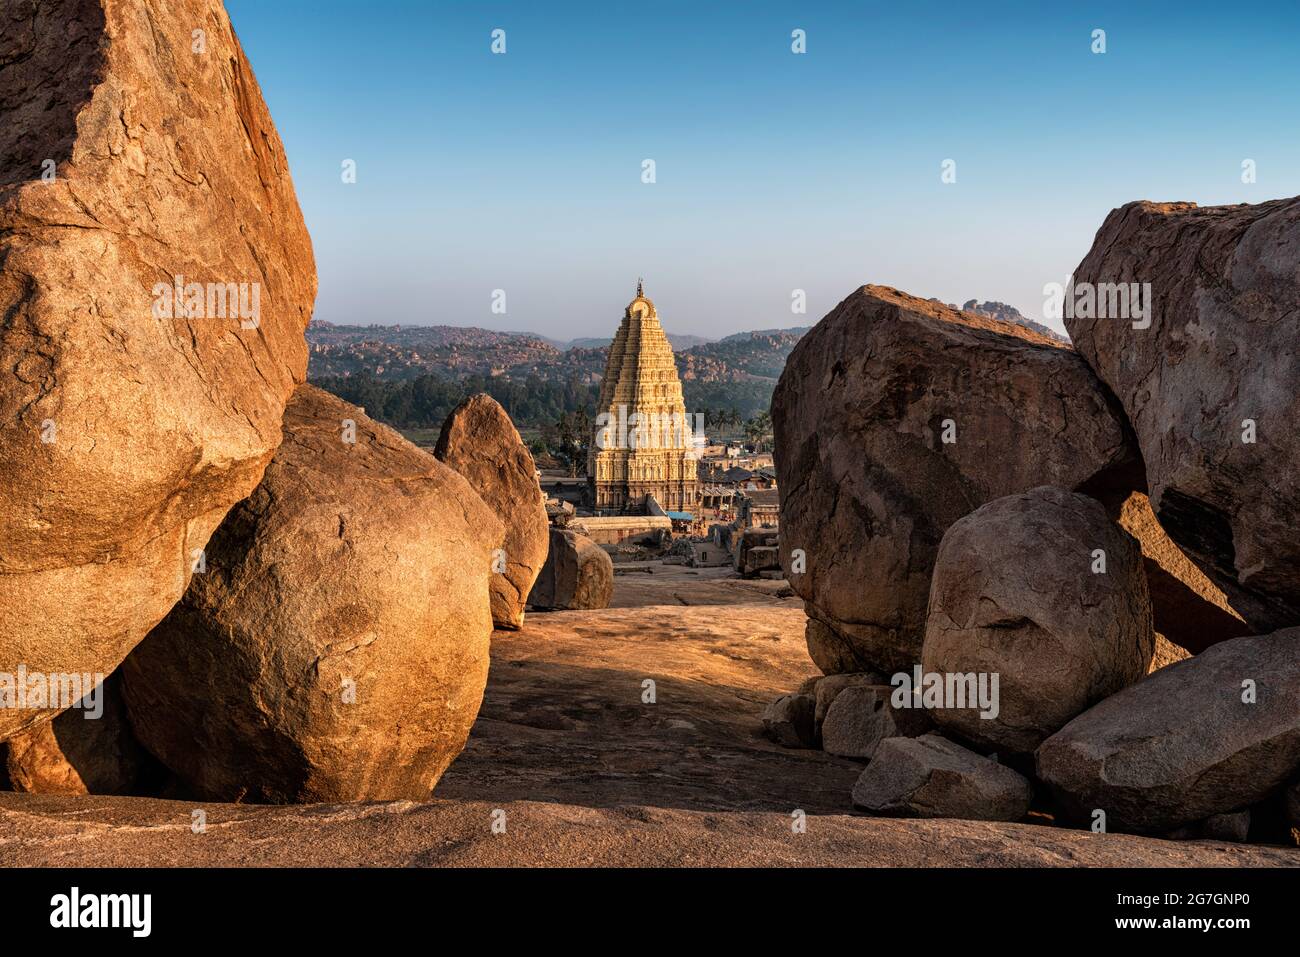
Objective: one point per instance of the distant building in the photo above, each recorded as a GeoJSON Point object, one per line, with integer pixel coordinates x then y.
{"type": "Point", "coordinates": [644, 441]}
{"type": "Point", "coordinates": [759, 508]}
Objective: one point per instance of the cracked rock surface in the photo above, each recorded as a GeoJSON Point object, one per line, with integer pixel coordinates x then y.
{"type": "Point", "coordinates": [1210, 382]}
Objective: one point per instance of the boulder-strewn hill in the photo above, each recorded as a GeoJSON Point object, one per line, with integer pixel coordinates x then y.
{"type": "Point", "coordinates": [737, 372]}
{"type": "Point", "coordinates": [1000, 310]}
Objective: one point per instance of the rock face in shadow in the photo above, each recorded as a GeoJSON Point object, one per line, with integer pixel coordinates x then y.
{"type": "Point", "coordinates": [1187, 742]}
{"type": "Point", "coordinates": [930, 776]}
{"type": "Point", "coordinates": [131, 419]}
{"type": "Point", "coordinates": [1044, 590]}
{"type": "Point", "coordinates": [578, 574]}
{"type": "Point", "coordinates": [77, 754]}
{"type": "Point", "coordinates": [1209, 378]}
{"type": "Point", "coordinates": [896, 416]}
{"type": "Point", "coordinates": [336, 647]}
{"type": "Point", "coordinates": [480, 442]}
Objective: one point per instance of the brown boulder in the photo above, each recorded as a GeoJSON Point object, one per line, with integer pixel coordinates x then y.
{"type": "Point", "coordinates": [88, 749]}
{"type": "Point", "coordinates": [578, 574]}
{"type": "Point", "coordinates": [129, 422]}
{"type": "Point", "coordinates": [1209, 380]}
{"type": "Point", "coordinates": [1212, 734]}
{"type": "Point", "coordinates": [930, 776]}
{"type": "Point", "coordinates": [1017, 592]}
{"type": "Point", "coordinates": [480, 442]}
{"type": "Point", "coordinates": [336, 648]}
{"type": "Point", "coordinates": [896, 416]}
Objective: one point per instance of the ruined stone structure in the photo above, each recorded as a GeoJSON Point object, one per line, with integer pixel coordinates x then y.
{"type": "Point", "coordinates": [644, 443]}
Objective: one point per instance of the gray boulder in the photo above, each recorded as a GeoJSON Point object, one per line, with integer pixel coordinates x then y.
{"type": "Point", "coordinates": [893, 418]}
{"type": "Point", "coordinates": [1211, 734]}
{"type": "Point", "coordinates": [1044, 590]}
{"type": "Point", "coordinates": [789, 721]}
{"type": "Point", "coordinates": [862, 716]}
{"type": "Point", "coordinates": [930, 776]}
{"type": "Point", "coordinates": [1208, 377]}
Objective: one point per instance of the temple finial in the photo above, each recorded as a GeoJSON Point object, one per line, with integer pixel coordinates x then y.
{"type": "Point", "coordinates": [638, 286]}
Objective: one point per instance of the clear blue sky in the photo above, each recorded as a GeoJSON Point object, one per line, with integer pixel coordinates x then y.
{"type": "Point", "coordinates": [775, 171]}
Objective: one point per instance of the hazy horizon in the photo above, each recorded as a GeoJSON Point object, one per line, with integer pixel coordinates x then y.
{"type": "Point", "coordinates": [775, 171]}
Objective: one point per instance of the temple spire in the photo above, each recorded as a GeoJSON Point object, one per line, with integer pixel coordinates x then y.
{"type": "Point", "coordinates": [639, 281]}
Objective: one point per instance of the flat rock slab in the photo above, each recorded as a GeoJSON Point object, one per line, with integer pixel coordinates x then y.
{"type": "Point", "coordinates": [637, 584]}
{"type": "Point", "coordinates": [564, 719]}
{"type": "Point", "coordinates": [55, 831]}
{"type": "Point", "coordinates": [588, 775]}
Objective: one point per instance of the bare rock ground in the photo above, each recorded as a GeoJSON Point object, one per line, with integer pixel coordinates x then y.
{"type": "Point", "coordinates": [585, 773]}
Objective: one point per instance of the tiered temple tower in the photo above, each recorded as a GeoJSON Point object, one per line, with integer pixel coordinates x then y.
{"type": "Point", "coordinates": [644, 443]}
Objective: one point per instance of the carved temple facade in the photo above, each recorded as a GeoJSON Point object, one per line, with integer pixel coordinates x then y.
{"type": "Point", "coordinates": [644, 443]}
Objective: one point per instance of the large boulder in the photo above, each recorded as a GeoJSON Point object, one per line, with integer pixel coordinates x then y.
{"type": "Point", "coordinates": [480, 442]}
{"type": "Point", "coordinates": [1207, 374]}
{"type": "Point", "coordinates": [1044, 590]}
{"type": "Point", "coordinates": [133, 158]}
{"type": "Point", "coordinates": [1211, 734]}
{"type": "Point", "coordinates": [336, 647]}
{"type": "Point", "coordinates": [88, 749]}
{"type": "Point", "coordinates": [931, 776]}
{"type": "Point", "coordinates": [896, 416]}
{"type": "Point", "coordinates": [578, 574]}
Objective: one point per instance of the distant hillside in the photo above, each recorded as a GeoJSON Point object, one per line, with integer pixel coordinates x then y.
{"type": "Point", "coordinates": [1000, 310]}
{"type": "Point", "coordinates": [738, 372]}
{"type": "Point", "coordinates": [415, 373]}
{"type": "Point", "coordinates": [677, 340]}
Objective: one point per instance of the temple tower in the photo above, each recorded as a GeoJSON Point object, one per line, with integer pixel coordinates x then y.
{"type": "Point", "coordinates": [644, 443]}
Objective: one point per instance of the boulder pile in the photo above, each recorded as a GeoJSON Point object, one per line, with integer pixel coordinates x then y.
{"type": "Point", "coordinates": [145, 377]}
{"type": "Point", "coordinates": [1079, 565]}
{"type": "Point", "coordinates": [215, 580]}
{"type": "Point", "coordinates": [336, 648]}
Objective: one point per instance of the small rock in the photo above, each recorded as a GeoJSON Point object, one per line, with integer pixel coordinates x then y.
{"type": "Point", "coordinates": [789, 721]}
{"type": "Point", "coordinates": [831, 685]}
{"type": "Point", "coordinates": [77, 753]}
{"type": "Point", "coordinates": [861, 716]}
{"type": "Point", "coordinates": [931, 777]}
